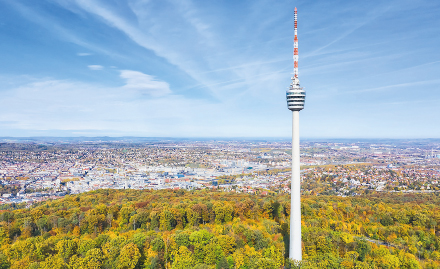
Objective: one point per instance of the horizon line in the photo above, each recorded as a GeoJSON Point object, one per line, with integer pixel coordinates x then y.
{"type": "Point", "coordinates": [219, 137]}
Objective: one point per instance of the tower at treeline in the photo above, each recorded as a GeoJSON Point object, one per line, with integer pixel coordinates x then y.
{"type": "Point", "coordinates": [295, 96]}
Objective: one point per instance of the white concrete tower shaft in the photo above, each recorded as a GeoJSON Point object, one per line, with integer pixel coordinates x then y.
{"type": "Point", "coordinates": [295, 250]}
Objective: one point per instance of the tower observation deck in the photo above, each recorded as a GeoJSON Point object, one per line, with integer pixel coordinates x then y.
{"type": "Point", "coordinates": [296, 96]}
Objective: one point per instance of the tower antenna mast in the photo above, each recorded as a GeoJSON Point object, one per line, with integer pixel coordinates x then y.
{"type": "Point", "coordinates": [295, 47]}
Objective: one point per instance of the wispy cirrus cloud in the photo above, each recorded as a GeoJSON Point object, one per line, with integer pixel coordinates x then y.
{"type": "Point", "coordinates": [148, 39]}
{"type": "Point", "coordinates": [192, 43]}
{"type": "Point", "coordinates": [144, 83]}
{"type": "Point", "coordinates": [395, 86]}
{"type": "Point", "coordinates": [49, 22]}
{"type": "Point", "coordinates": [95, 67]}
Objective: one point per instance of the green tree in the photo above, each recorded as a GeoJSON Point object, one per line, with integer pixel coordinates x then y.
{"type": "Point", "coordinates": [213, 252]}
{"type": "Point", "coordinates": [66, 248]}
{"type": "Point", "coordinates": [93, 259]}
{"type": "Point", "coordinates": [408, 261]}
{"type": "Point", "coordinates": [53, 262]}
{"type": "Point", "coordinates": [183, 259]}
{"type": "Point", "coordinates": [4, 263]}
{"type": "Point", "coordinates": [86, 245]}
{"type": "Point", "coordinates": [222, 263]}
{"type": "Point", "coordinates": [129, 257]}
{"type": "Point", "coordinates": [363, 248]}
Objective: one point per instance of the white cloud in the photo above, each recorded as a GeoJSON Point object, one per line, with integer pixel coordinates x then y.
{"type": "Point", "coordinates": [144, 83]}
{"type": "Point", "coordinates": [95, 67]}
{"type": "Point", "coordinates": [83, 54]}
{"type": "Point", "coordinates": [44, 106]}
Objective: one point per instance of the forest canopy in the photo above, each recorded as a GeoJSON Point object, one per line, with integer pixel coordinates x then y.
{"type": "Point", "coordinates": [214, 229]}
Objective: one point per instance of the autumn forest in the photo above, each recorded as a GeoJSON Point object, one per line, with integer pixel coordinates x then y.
{"type": "Point", "coordinates": [214, 229]}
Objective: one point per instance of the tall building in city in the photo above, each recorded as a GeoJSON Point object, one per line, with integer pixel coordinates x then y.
{"type": "Point", "coordinates": [295, 102]}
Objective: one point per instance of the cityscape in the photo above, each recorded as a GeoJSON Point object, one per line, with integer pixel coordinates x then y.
{"type": "Point", "coordinates": [32, 172]}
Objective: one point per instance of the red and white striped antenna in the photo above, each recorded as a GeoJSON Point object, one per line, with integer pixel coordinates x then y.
{"type": "Point", "coordinates": [295, 48]}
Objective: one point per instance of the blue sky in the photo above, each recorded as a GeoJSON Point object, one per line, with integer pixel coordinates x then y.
{"type": "Point", "coordinates": [218, 68]}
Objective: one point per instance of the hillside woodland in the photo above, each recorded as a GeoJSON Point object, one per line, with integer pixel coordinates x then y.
{"type": "Point", "coordinates": [214, 229]}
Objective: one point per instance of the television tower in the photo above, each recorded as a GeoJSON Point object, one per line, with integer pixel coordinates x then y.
{"type": "Point", "coordinates": [295, 96]}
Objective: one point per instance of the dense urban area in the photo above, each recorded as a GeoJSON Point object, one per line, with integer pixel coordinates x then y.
{"type": "Point", "coordinates": [32, 171]}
